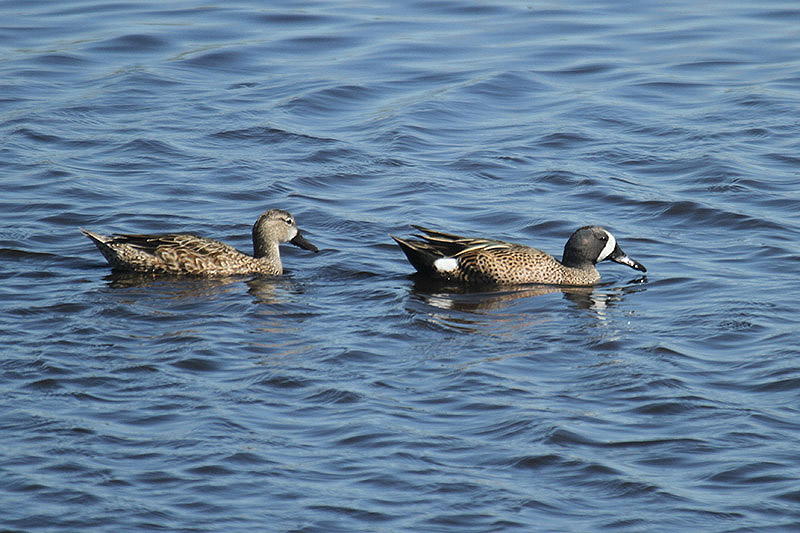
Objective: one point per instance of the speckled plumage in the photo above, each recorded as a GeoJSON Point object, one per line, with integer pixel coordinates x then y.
{"type": "Point", "coordinates": [491, 262]}
{"type": "Point", "coordinates": [177, 253]}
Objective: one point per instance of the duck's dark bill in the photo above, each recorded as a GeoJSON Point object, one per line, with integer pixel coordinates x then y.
{"type": "Point", "coordinates": [300, 241]}
{"type": "Point", "coordinates": [625, 260]}
{"type": "Point", "coordinates": [618, 256]}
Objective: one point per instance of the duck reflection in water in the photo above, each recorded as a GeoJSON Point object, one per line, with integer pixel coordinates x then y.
{"type": "Point", "coordinates": [483, 298]}
{"type": "Point", "coordinates": [263, 290]}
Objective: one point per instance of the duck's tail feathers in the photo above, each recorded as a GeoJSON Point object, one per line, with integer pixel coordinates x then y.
{"type": "Point", "coordinates": [95, 237]}
{"type": "Point", "coordinates": [420, 254]}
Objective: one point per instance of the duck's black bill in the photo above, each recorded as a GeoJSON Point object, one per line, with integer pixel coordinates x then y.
{"type": "Point", "coordinates": [618, 256]}
{"type": "Point", "coordinates": [301, 242]}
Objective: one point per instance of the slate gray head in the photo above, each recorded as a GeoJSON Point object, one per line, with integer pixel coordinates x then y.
{"type": "Point", "coordinates": [592, 244]}
{"type": "Point", "coordinates": [279, 226]}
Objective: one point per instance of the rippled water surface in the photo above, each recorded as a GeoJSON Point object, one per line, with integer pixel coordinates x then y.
{"type": "Point", "coordinates": [348, 395]}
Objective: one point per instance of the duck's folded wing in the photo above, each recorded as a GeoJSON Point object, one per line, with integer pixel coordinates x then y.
{"type": "Point", "coordinates": [174, 244]}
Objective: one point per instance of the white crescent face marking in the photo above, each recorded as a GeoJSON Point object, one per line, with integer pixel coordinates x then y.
{"type": "Point", "coordinates": [608, 248]}
{"type": "Point", "coordinates": [445, 264]}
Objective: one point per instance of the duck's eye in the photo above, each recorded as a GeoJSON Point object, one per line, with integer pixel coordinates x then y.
{"type": "Point", "coordinates": [288, 221]}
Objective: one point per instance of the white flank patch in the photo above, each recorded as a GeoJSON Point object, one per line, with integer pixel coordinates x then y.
{"type": "Point", "coordinates": [609, 247]}
{"type": "Point", "coordinates": [446, 264]}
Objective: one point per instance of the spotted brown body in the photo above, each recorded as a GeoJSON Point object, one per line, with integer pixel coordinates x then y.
{"type": "Point", "coordinates": [180, 253]}
{"type": "Point", "coordinates": [480, 261]}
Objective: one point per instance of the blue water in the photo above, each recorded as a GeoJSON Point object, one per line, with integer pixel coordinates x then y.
{"type": "Point", "coordinates": [348, 395]}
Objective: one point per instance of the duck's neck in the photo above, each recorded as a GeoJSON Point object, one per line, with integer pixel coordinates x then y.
{"type": "Point", "coordinates": [570, 259]}
{"type": "Point", "coordinates": [266, 250]}
{"type": "Point", "coordinates": [583, 275]}
{"type": "Point", "coordinates": [269, 255]}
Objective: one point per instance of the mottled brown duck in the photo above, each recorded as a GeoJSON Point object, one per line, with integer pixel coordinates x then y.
{"type": "Point", "coordinates": [179, 253]}
{"type": "Point", "coordinates": [478, 261]}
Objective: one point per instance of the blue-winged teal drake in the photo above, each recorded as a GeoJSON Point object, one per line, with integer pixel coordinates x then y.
{"type": "Point", "coordinates": [490, 262]}
{"type": "Point", "coordinates": [177, 253]}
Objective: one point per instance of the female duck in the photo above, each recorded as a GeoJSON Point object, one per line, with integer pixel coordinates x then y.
{"type": "Point", "coordinates": [178, 253]}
